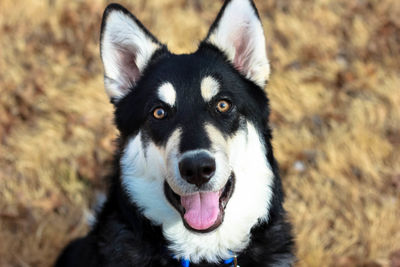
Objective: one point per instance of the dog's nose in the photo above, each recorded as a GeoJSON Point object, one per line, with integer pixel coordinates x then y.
{"type": "Point", "coordinates": [198, 168]}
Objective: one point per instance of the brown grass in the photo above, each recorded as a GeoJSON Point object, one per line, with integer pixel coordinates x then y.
{"type": "Point", "coordinates": [335, 96]}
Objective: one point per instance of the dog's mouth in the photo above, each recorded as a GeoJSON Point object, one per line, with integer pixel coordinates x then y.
{"type": "Point", "coordinates": [202, 211]}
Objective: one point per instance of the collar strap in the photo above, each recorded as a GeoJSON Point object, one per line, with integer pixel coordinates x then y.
{"type": "Point", "coordinates": [231, 262]}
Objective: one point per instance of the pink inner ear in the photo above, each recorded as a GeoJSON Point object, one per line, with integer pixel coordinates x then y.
{"type": "Point", "coordinates": [242, 43]}
{"type": "Point", "coordinates": [129, 71]}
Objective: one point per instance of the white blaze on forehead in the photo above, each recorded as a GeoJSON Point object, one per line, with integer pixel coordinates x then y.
{"type": "Point", "coordinates": [209, 88]}
{"type": "Point", "coordinates": [167, 93]}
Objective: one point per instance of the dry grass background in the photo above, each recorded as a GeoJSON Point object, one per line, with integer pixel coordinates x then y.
{"type": "Point", "coordinates": [335, 96]}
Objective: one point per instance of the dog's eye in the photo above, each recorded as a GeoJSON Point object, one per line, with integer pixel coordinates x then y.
{"type": "Point", "coordinates": [223, 106]}
{"type": "Point", "coordinates": [159, 113]}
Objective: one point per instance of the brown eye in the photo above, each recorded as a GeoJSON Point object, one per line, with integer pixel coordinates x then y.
{"type": "Point", "coordinates": [223, 106]}
{"type": "Point", "coordinates": [159, 113]}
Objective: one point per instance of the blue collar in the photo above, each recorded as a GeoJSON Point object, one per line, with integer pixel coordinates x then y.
{"type": "Point", "coordinates": [231, 262]}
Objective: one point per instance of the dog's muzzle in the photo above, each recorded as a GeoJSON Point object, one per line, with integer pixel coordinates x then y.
{"type": "Point", "coordinates": [197, 168]}
{"type": "Point", "coordinates": [202, 211]}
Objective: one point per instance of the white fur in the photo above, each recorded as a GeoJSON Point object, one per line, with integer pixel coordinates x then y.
{"type": "Point", "coordinates": [209, 88]}
{"type": "Point", "coordinates": [167, 93]}
{"type": "Point", "coordinates": [144, 171]}
{"type": "Point", "coordinates": [124, 46]}
{"type": "Point", "coordinates": [240, 35]}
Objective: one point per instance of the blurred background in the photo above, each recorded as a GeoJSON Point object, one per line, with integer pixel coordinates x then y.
{"type": "Point", "coordinates": [335, 99]}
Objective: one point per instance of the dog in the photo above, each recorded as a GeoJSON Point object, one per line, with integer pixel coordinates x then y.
{"type": "Point", "coordinates": [195, 181]}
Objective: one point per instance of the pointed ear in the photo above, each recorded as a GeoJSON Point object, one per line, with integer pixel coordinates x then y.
{"type": "Point", "coordinates": [237, 31]}
{"type": "Point", "coordinates": [126, 48]}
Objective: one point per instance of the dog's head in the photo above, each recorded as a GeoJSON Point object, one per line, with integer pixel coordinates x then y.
{"type": "Point", "coordinates": [193, 126]}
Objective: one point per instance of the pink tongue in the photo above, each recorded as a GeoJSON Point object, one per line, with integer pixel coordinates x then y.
{"type": "Point", "coordinates": [201, 209]}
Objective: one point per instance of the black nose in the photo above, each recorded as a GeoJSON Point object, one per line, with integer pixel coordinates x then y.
{"type": "Point", "coordinates": [197, 168]}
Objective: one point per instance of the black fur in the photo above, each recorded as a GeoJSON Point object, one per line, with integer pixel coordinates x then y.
{"type": "Point", "coordinates": [122, 236]}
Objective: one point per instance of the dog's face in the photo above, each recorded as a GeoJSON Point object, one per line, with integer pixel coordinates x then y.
{"type": "Point", "coordinates": [193, 128]}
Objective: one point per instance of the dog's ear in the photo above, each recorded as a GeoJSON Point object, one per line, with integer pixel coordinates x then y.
{"type": "Point", "coordinates": [126, 47]}
{"type": "Point", "coordinates": [238, 32]}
